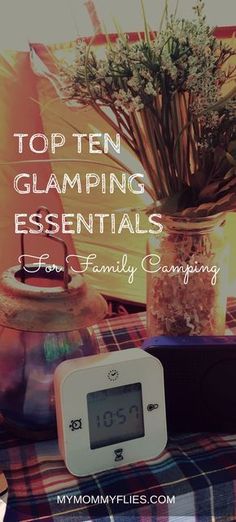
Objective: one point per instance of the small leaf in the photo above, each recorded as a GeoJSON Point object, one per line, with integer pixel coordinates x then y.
{"type": "Point", "coordinates": [210, 190]}
{"type": "Point", "coordinates": [232, 147]}
{"type": "Point", "coordinates": [214, 191]}
{"type": "Point", "coordinates": [231, 159]}
{"type": "Point", "coordinates": [230, 173]}
{"type": "Point", "coordinates": [146, 30]}
{"type": "Point", "coordinates": [225, 204]}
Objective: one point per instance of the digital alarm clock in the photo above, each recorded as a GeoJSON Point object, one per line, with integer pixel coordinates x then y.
{"type": "Point", "coordinates": [110, 410]}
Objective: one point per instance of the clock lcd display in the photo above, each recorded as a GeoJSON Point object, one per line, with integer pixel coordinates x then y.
{"type": "Point", "coordinates": [115, 415]}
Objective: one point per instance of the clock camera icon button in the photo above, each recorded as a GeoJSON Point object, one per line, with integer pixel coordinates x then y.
{"type": "Point", "coordinates": [75, 424]}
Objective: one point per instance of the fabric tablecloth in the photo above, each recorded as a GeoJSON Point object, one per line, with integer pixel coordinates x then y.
{"type": "Point", "coordinates": [194, 479]}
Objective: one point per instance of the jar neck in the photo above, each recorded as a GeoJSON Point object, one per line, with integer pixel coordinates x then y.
{"type": "Point", "coordinates": [196, 225]}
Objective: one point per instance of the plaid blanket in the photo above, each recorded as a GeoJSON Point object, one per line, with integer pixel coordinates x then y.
{"type": "Point", "coordinates": [194, 479]}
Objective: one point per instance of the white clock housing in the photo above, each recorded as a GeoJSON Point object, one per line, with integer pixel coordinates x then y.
{"type": "Point", "coordinates": [110, 410]}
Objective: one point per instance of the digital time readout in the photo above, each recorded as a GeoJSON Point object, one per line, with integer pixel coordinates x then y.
{"type": "Point", "coordinates": [115, 415]}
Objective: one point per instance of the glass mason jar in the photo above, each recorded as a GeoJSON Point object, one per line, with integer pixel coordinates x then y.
{"type": "Point", "coordinates": [187, 277]}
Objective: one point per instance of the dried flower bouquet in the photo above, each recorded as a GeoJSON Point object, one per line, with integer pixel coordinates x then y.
{"type": "Point", "coordinates": [166, 96]}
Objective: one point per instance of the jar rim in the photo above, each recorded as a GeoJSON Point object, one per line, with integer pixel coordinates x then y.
{"type": "Point", "coordinates": [199, 224]}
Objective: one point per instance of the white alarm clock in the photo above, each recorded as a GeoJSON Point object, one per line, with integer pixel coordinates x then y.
{"type": "Point", "coordinates": [110, 410]}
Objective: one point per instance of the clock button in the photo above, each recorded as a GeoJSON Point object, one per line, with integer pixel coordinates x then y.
{"type": "Point", "coordinates": [118, 454]}
{"type": "Point", "coordinates": [151, 407]}
{"type": "Point", "coordinates": [75, 424]}
{"type": "Point", "coordinates": [113, 375]}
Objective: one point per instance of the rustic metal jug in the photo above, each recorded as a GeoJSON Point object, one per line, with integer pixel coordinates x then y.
{"type": "Point", "coordinates": [40, 326]}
